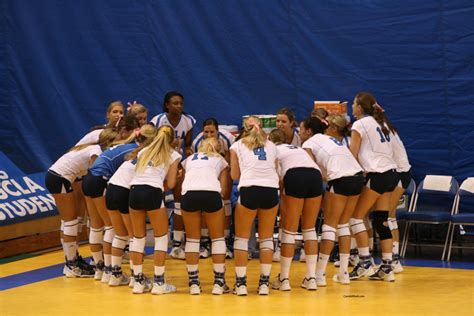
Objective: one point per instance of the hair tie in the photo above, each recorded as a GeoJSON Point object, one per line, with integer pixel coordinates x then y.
{"type": "Point", "coordinates": [118, 121]}
{"type": "Point", "coordinates": [377, 106]}
{"type": "Point", "coordinates": [324, 121]}
{"type": "Point", "coordinates": [130, 105]}
{"type": "Point", "coordinates": [252, 123]}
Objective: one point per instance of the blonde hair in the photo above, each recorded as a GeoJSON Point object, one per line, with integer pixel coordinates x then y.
{"type": "Point", "coordinates": [144, 136]}
{"type": "Point", "coordinates": [339, 122]}
{"type": "Point", "coordinates": [106, 138]}
{"type": "Point", "coordinates": [158, 152]}
{"type": "Point", "coordinates": [277, 136]}
{"type": "Point", "coordinates": [136, 108]}
{"type": "Point", "coordinates": [210, 146]}
{"type": "Point", "coordinates": [254, 136]}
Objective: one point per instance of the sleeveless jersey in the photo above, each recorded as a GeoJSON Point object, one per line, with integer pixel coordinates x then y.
{"type": "Point", "coordinates": [186, 123]}
{"type": "Point", "coordinates": [225, 139]}
{"type": "Point", "coordinates": [75, 163]}
{"type": "Point", "coordinates": [290, 156]}
{"type": "Point", "coordinates": [399, 153]}
{"type": "Point", "coordinates": [202, 173]}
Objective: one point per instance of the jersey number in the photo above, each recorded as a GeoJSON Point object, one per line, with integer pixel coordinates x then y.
{"type": "Point", "coordinates": [196, 157]}
{"type": "Point", "coordinates": [383, 137]}
{"type": "Point", "coordinates": [336, 141]}
{"type": "Point", "coordinates": [260, 152]}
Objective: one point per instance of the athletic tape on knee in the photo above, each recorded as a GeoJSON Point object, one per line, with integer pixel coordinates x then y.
{"type": "Point", "coordinates": [161, 243]}
{"type": "Point", "coordinates": [138, 244]}
{"type": "Point", "coordinates": [392, 223]}
{"type": "Point", "coordinates": [328, 233]}
{"type": "Point", "coordinates": [227, 208]}
{"type": "Point", "coordinates": [379, 218]}
{"type": "Point", "coordinates": [309, 234]}
{"type": "Point", "coordinates": [120, 242]}
{"type": "Point", "coordinates": [343, 230]}
{"type": "Point", "coordinates": [288, 237]}
{"type": "Point", "coordinates": [357, 225]}
{"type": "Point", "coordinates": [109, 234]}
{"type": "Point", "coordinates": [218, 246]}
{"type": "Point", "coordinates": [266, 244]}
{"type": "Point", "coordinates": [96, 236]}
{"type": "Point", "coordinates": [192, 245]}
{"type": "Point", "coordinates": [241, 244]}
{"type": "Point", "coordinates": [71, 228]}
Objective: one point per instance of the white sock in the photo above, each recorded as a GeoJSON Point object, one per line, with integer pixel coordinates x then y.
{"type": "Point", "coordinates": [387, 256]}
{"type": "Point", "coordinates": [322, 264]}
{"type": "Point", "coordinates": [116, 261]}
{"type": "Point", "coordinates": [311, 266]}
{"type": "Point", "coordinates": [98, 256]}
{"type": "Point", "coordinates": [137, 269]}
{"type": "Point", "coordinates": [178, 235]}
{"type": "Point", "coordinates": [265, 268]}
{"type": "Point", "coordinates": [364, 251]}
{"type": "Point", "coordinates": [219, 267]}
{"type": "Point", "coordinates": [107, 259]}
{"type": "Point", "coordinates": [343, 263]}
{"type": "Point", "coordinates": [353, 243]}
{"type": "Point", "coordinates": [70, 250]}
{"type": "Point", "coordinates": [240, 271]}
{"type": "Point", "coordinates": [395, 247]}
{"type": "Point", "coordinates": [160, 270]}
{"type": "Point", "coordinates": [285, 264]}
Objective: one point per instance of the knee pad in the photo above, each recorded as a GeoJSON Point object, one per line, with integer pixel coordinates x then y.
{"type": "Point", "coordinates": [120, 242]}
{"type": "Point", "coordinates": [192, 245]}
{"type": "Point", "coordinates": [343, 230]}
{"type": "Point", "coordinates": [241, 244]}
{"type": "Point", "coordinates": [357, 226]}
{"type": "Point", "coordinates": [177, 208]}
{"type": "Point", "coordinates": [161, 243]}
{"type": "Point", "coordinates": [71, 228]}
{"type": "Point", "coordinates": [96, 236]}
{"type": "Point", "coordinates": [288, 237]}
{"type": "Point", "coordinates": [379, 218]}
{"type": "Point", "coordinates": [227, 208]}
{"type": "Point", "coordinates": [266, 244]}
{"type": "Point", "coordinates": [218, 246]}
{"type": "Point", "coordinates": [309, 234]}
{"type": "Point", "coordinates": [109, 234]}
{"type": "Point", "coordinates": [392, 223]}
{"type": "Point", "coordinates": [328, 233]}
{"type": "Point", "coordinates": [138, 244]}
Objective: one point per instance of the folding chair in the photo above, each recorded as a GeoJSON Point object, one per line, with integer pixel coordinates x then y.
{"type": "Point", "coordinates": [434, 203]}
{"type": "Point", "coordinates": [463, 213]}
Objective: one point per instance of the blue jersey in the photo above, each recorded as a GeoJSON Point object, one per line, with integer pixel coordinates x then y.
{"type": "Point", "coordinates": [110, 160]}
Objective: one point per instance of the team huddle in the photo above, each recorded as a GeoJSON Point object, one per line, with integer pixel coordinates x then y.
{"type": "Point", "coordinates": [128, 169]}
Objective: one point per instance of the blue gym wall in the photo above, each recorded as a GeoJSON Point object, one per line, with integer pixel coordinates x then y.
{"type": "Point", "coordinates": [62, 62]}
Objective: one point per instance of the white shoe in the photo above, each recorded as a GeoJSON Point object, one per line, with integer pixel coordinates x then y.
{"type": "Point", "coordinates": [353, 260]}
{"type": "Point", "coordinates": [309, 284]}
{"type": "Point", "coordinates": [106, 276]}
{"type": "Point", "coordinates": [397, 267]}
{"type": "Point", "coordinates": [241, 290]}
{"type": "Point", "coordinates": [194, 289]}
{"type": "Point", "coordinates": [263, 289]}
{"type": "Point", "coordinates": [178, 253]}
{"type": "Point", "coordinates": [361, 270]}
{"type": "Point", "coordinates": [219, 289]}
{"type": "Point", "coordinates": [276, 255]}
{"type": "Point", "coordinates": [117, 280]}
{"type": "Point", "coordinates": [164, 288]}
{"type": "Point", "coordinates": [229, 254]}
{"type": "Point", "coordinates": [341, 278]}
{"type": "Point", "coordinates": [321, 280]}
{"type": "Point", "coordinates": [337, 263]}
{"type": "Point", "coordinates": [204, 253]}
{"type": "Point", "coordinates": [132, 282]}
{"type": "Point", "coordinates": [384, 273]}
{"type": "Point", "coordinates": [281, 285]}
{"type": "Point", "coordinates": [302, 255]}
{"type": "Point", "coordinates": [72, 271]}
{"type": "Point", "coordinates": [142, 284]}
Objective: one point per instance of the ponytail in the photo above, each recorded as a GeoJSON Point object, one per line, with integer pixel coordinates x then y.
{"type": "Point", "coordinates": [159, 151]}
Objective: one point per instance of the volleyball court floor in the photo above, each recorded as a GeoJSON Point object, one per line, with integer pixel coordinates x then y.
{"type": "Point", "coordinates": [35, 286]}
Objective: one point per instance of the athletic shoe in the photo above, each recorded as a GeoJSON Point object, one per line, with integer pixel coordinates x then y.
{"type": "Point", "coordinates": [384, 273]}
{"type": "Point", "coordinates": [99, 270]}
{"type": "Point", "coordinates": [276, 255]}
{"type": "Point", "coordinates": [204, 252]}
{"type": "Point", "coordinates": [321, 280]}
{"type": "Point", "coordinates": [341, 278]}
{"type": "Point", "coordinates": [337, 263]}
{"type": "Point", "coordinates": [396, 265]}
{"type": "Point", "coordinates": [160, 287]}
{"type": "Point", "coordinates": [229, 254]}
{"type": "Point", "coordinates": [240, 288]}
{"type": "Point", "coordinates": [302, 255]}
{"type": "Point", "coordinates": [73, 270]}
{"type": "Point", "coordinates": [106, 275]}
{"type": "Point", "coordinates": [86, 268]}
{"type": "Point", "coordinates": [353, 260]}
{"type": "Point", "coordinates": [131, 284]}
{"type": "Point", "coordinates": [178, 253]}
{"type": "Point", "coordinates": [220, 287]}
{"type": "Point", "coordinates": [363, 268]}
{"type": "Point", "coordinates": [263, 285]}
{"type": "Point", "coordinates": [194, 289]}
{"type": "Point", "coordinates": [118, 278]}
{"type": "Point", "coordinates": [309, 284]}
{"type": "Point", "coordinates": [142, 284]}
{"type": "Point", "coordinates": [281, 285]}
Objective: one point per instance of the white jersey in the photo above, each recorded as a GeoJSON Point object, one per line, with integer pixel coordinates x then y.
{"type": "Point", "coordinates": [290, 156]}
{"type": "Point", "coordinates": [91, 137]}
{"type": "Point", "coordinates": [225, 139]}
{"type": "Point", "coordinates": [375, 153]}
{"type": "Point", "coordinates": [75, 163]}
{"type": "Point", "coordinates": [202, 173]}
{"type": "Point", "coordinates": [257, 166]}
{"type": "Point", "coordinates": [399, 153]}
{"type": "Point", "coordinates": [124, 174]}
{"type": "Point", "coordinates": [332, 156]}
{"type": "Point", "coordinates": [186, 123]}
{"type": "Point", "coordinates": [296, 139]}
{"type": "Point", "coordinates": [154, 176]}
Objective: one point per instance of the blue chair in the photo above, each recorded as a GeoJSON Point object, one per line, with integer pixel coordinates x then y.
{"type": "Point", "coordinates": [463, 213]}
{"type": "Point", "coordinates": [433, 204]}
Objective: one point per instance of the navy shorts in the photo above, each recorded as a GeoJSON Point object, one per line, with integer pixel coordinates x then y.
{"type": "Point", "coordinates": [116, 198]}
{"type": "Point", "coordinates": [347, 186]}
{"type": "Point", "coordinates": [206, 201]}
{"type": "Point", "coordinates": [93, 186]}
{"type": "Point", "coordinates": [256, 197]}
{"type": "Point", "coordinates": [382, 182]}
{"type": "Point", "coordinates": [56, 184]}
{"type": "Point", "coordinates": [145, 197]}
{"type": "Point", "coordinates": [303, 183]}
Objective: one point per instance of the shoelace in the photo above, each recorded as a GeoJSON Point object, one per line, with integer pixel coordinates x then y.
{"type": "Point", "coordinates": [240, 281]}
{"type": "Point", "coordinates": [264, 280]}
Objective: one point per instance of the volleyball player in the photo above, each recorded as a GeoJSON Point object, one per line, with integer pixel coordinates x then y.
{"type": "Point", "coordinates": [157, 166]}
{"type": "Point", "coordinates": [285, 121]}
{"type": "Point", "coordinates": [370, 144]}
{"type": "Point", "coordinates": [253, 162]}
{"type": "Point", "coordinates": [301, 200]}
{"type": "Point", "coordinates": [206, 181]}
{"type": "Point", "coordinates": [182, 124]}
{"type": "Point", "coordinates": [58, 180]}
